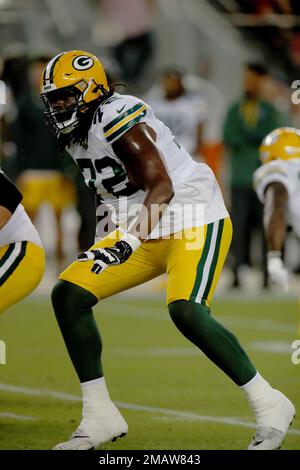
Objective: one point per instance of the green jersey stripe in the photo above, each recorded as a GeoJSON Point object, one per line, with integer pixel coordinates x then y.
{"type": "Point", "coordinates": [122, 116]}
{"type": "Point", "coordinates": [125, 127]}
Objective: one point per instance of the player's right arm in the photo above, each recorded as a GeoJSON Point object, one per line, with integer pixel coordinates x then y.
{"type": "Point", "coordinates": [271, 182]}
{"type": "Point", "coordinates": [146, 170]}
{"type": "Point", "coordinates": [276, 197]}
{"type": "Point", "coordinates": [134, 143]}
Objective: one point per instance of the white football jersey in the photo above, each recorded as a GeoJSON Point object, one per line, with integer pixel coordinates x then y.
{"type": "Point", "coordinates": [183, 116]}
{"type": "Point", "coordinates": [286, 172]}
{"type": "Point", "coordinates": [197, 200]}
{"type": "Point", "coordinates": [19, 228]}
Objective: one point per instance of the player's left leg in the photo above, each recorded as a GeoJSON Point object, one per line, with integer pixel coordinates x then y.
{"type": "Point", "coordinates": [22, 265]}
{"type": "Point", "coordinates": [193, 275]}
{"type": "Point", "coordinates": [73, 298]}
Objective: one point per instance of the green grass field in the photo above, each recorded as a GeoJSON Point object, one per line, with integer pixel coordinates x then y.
{"type": "Point", "coordinates": [170, 394]}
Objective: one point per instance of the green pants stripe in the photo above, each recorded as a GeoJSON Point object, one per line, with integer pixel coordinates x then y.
{"type": "Point", "coordinates": [207, 265]}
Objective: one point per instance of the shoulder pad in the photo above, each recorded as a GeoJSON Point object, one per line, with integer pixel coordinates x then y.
{"type": "Point", "coordinates": [119, 114]}
{"type": "Point", "coordinates": [275, 167]}
{"type": "Point", "coordinates": [271, 172]}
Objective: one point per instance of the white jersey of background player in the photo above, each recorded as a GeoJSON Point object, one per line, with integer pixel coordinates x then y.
{"type": "Point", "coordinates": [277, 183]}
{"type": "Point", "coordinates": [183, 111]}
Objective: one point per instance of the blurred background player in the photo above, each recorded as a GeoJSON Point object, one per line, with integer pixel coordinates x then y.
{"type": "Point", "coordinates": [203, 137]}
{"type": "Point", "coordinates": [22, 258]}
{"type": "Point", "coordinates": [127, 27]}
{"type": "Point", "coordinates": [183, 111]}
{"type": "Point", "coordinates": [247, 122]}
{"type": "Point", "coordinates": [277, 183]}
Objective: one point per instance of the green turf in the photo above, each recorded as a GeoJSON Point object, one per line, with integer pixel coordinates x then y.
{"type": "Point", "coordinates": [147, 363]}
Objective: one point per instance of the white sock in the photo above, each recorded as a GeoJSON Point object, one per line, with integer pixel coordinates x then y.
{"type": "Point", "coordinates": [101, 420]}
{"type": "Point", "coordinates": [261, 397]}
{"type": "Point", "coordinates": [94, 396]}
{"type": "Point", "coordinates": [256, 388]}
{"type": "Point", "coordinates": [263, 400]}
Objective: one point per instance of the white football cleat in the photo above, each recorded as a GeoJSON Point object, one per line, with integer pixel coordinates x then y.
{"type": "Point", "coordinates": [273, 423]}
{"type": "Point", "coordinates": [105, 426]}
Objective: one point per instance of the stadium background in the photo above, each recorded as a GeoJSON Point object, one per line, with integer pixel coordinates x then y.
{"type": "Point", "coordinates": [171, 395]}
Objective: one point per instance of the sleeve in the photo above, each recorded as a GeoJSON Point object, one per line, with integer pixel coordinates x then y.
{"type": "Point", "coordinates": [10, 196]}
{"type": "Point", "coordinates": [120, 115]}
{"type": "Point", "coordinates": [273, 172]}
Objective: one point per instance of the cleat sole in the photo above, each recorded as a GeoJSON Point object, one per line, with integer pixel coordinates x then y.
{"type": "Point", "coordinates": [119, 437]}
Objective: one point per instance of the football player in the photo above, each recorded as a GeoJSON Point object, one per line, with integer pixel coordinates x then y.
{"type": "Point", "coordinates": [22, 258]}
{"type": "Point", "coordinates": [277, 184]}
{"type": "Point", "coordinates": [131, 159]}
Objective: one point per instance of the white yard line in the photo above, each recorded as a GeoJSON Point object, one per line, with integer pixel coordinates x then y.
{"type": "Point", "coordinates": [38, 392]}
{"type": "Point", "coordinates": [157, 352]}
{"type": "Point", "coordinates": [18, 417]}
{"type": "Point", "coordinates": [128, 406]}
{"type": "Point", "coordinates": [272, 347]}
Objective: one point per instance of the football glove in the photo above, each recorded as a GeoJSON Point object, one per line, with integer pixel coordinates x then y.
{"type": "Point", "coordinates": [111, 256]}
{"type": "Point", "coordinates": [276, 270]}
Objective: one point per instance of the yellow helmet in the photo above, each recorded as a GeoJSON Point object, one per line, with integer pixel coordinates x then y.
{"type": "Point", "coordinates": [76, 74]}
{"type": "Point", "coordinates": [282, 143]}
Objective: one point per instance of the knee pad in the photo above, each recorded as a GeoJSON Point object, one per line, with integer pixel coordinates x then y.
{"type": "Point", "coordinates": [67, 296]}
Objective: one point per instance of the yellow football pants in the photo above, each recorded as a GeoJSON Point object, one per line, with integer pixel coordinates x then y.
{"type": "Point", "coordinates": [22, 265]}
{"type": "Point", "coordinates": [193, 260]}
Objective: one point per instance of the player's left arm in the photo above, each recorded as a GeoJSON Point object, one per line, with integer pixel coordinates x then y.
{"type": "Point", "coordinates": [276, 198]}
{"type": "Point", "coordinates": [146, 170]}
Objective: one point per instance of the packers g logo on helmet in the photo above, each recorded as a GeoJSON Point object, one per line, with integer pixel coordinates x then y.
{"type": "Point", "coordinates": [76, 74]}
{"type": "Point", "coordinates": [282, 143]}
{"type": "Point", "coordinates": [83, 62]}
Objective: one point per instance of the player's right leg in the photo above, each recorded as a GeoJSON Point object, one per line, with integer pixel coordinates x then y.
{"type": "Point", "coordinates": [77, 291]}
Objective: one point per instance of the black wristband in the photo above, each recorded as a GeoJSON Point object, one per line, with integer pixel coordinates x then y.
{"type": "Point", "coordinates": [124, 247]}
{"type": "Point", "coordinates": [10, 196]}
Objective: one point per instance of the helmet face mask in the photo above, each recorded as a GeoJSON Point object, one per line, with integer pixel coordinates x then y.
{"type": "Point", "coordinates": [63, 119]}
{"type": "Point", "coordinates": [72, 83]}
